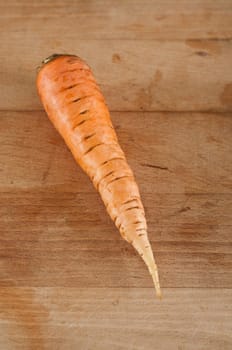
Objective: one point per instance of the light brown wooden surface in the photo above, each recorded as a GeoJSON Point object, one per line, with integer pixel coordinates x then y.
{"type": "Point", "coordinates": [67, 279]}
{"type": "Point", "coordinates": [146, 75]}
{"type": "Point", "coordinates": [164, 56]}
{"type": "Point", "coordinates": [119, 19]}
{"type": "Point", "coordinates": [112, 318]}
{"type": "Point", "coordinates": [175, 152]}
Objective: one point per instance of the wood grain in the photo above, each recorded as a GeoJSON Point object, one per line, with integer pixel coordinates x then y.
{"type": "Point", "coordinates": [66, 239]}
{"type": "Point", "coordinates": [63, 224]}
{"type": "Point", "coordinates": [165, 19]}
{"type": "Point", "coordinates": [191, 75]}
{"type": "Point", "coordinates": [67, 279]}
{"type": "Point", "coordinates": [114, 318]}
{"type": "Point", "coordinates": [169, 152]}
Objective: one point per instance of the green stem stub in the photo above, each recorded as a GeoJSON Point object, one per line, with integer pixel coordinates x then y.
{"type": "Point", "coordinates": [54, 56]}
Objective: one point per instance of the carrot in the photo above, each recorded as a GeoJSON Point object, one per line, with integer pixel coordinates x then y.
{"type": "Point", "coordinates": [76, 107]}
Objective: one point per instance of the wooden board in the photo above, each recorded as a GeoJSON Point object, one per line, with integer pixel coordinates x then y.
{"type": "Point", "coordinates": [163, 72]}
{"type": "Point", "coordinates": [175, 153]}
{"type": "Point", "coordinates": [124, 19]}
{"type": "Point", "coordinates": [115, 318]}
{"type": "Point", "coordinates": [54, 207]}
{"type": "Point", "coordinates": [69, 236]}
{"type": "Point", "coordinates": [67, 279]}
{"type": "Point", "coordinates": [147, 75]}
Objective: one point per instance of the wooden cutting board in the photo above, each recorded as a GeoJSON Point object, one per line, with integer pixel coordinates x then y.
{"type": "Point", "coordinates": [67, 279]}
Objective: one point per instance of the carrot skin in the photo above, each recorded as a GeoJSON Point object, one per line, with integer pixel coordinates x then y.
{"type": "Point", "coordinates": [77, 109]}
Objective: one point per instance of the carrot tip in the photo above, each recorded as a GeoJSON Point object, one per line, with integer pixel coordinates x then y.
{"type": "Point", "coordinates": [155, 278]}
{"type": "Point", "coordinates": [148, 258]}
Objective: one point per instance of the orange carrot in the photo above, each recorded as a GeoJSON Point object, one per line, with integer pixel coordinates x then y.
{"type": "Point", "coordinates": [76, 107]}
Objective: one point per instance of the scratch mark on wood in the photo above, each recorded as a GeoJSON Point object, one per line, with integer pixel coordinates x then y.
{"type": "Point", "coordinates": [226, 96]}
{"type": "Point", "coordinates": [184, 209]}
{"type": "Point", "coordinates": [116, 58]}
{"type": "Point", "coordinates": [202, 53]}
{"type": "Point", "coordinates": [208, 46]}
{"type": "Point", "coordinates": [47, 170]}
{"type": "Point", "coordinates": [154, 166]}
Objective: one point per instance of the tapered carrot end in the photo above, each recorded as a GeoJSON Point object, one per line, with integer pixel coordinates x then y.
{"type": "Point", "coordinates": [145, 251]}
{"type": "Point", "coordinates": [155, 278]}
